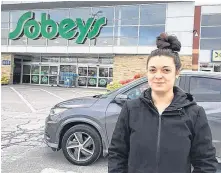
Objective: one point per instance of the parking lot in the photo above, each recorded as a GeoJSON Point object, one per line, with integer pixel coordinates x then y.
{"type": "Point", "coordinates": [24, 109]}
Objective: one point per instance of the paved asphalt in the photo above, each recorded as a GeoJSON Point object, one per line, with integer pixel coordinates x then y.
{"type": "Point", "coordinates": [23, 112]}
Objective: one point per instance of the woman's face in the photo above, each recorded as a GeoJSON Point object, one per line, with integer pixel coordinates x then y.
{"type": "Point", "coordinates": [161, 74]}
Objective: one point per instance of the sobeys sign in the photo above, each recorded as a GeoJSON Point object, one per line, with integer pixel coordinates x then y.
{"type": "Point", "coordinates": [47, 28]}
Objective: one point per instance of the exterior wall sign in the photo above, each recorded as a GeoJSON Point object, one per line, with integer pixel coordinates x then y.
{"type": "Point", "coordinates": [6, 62]}
{"type": "Point", "coordinates": [47, 28]}
{"type": "Point", "coordinates": [216, 56]}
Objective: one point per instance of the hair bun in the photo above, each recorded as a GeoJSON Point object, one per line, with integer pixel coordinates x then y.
{"type": "Point", "coordinates": [168, 42]}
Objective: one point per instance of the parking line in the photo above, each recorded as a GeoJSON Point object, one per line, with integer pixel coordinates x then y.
{"type": "Point", "coordinates": [24, 100]}
{"type": "Point", "coordinates": [53, 94]}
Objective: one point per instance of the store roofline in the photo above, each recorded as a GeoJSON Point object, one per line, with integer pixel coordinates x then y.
{"type": "Point", "coordinates": [74, 4]}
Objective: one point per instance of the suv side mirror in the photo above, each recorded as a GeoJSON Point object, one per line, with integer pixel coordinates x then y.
{"type": "Point", "coordinates": [121, 98]}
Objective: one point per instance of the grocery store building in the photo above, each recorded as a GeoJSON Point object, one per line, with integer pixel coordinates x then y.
{"type": "Point", "coordinates": [207, 45]}
{"type": "Point", "coordinates": [43, 43]}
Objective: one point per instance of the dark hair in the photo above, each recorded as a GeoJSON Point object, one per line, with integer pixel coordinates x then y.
{"type": "Point", "coordinates": [167, 46]}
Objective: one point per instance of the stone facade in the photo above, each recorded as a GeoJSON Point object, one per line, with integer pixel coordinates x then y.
{"type": "Point", "coordinates": [126, 66]}
{"type": "Point", "coordinates": [7, 70]}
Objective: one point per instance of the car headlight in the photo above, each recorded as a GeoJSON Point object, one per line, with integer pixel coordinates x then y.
{"type": "Point", "coordinates": [55, 113]}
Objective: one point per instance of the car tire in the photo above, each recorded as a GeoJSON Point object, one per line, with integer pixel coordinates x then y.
{"type": "Point", "coordinates": [95, 141]}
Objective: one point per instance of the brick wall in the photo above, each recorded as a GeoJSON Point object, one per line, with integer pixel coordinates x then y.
{"type": "Point", "coordinates": [7, 70]}
{"type": "Point", "coordinates": [126, 66]}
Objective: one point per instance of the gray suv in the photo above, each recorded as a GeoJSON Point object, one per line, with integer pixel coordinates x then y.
{"type": "Point", "coordinates": [83, 127]}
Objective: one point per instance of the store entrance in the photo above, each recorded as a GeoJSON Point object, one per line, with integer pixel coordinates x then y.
{"type": "Point", "coordinates": [91, 71]}
{"type": "Point", "coordinates": [40, 74]}
{"type": "Point", "coordinates": [17, 71]}
{"type": "Point", "coordinates": [94, 76]}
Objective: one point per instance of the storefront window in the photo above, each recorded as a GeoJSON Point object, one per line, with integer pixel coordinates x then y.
{"type": "Point", "coordinates": [82, 81]}
{"type": "Point", "coordinates": [15, 15]}
{"type": "Point", "coordinates": [102, 82]}
{"type": "Point", "coordinates": [4, 41]}
{"type": "Point", "coordinates": [126, 31]}
{"type": "Point", "coordinates": [4, 33]}
{"type": "Point", "coordinates": [4, 16]}
{"type": "Point", "coordinates": [110, 72]}
{"type": "Point", "coordinates": [52, 80]}
{"type": "Point", "coordinates": [90, 60]}
{"type": "Point", "coordinates": [92, 82]}
{"type": "Point", "coordinates": [21, 41]}
{"type": "Point", "coordinates": [148, 34]}
{"type": "Point", "coordinates": [53, 70]}
{"type": "Point", "coordinates": [66, 71]}
{"type": "Point", "coordinates": [73, 43]}
{"type": "Point", "coordinates": [82, 71]}
{"type": "Point", "coordinates": [103, 72]}
{"type": "Point", "coordinates": [68, 60]}
{"type": "Point", "coordinates": [109, 41]}
{"type": "Point", "coordinates": [58, 42]}
{"type": "Point", "coordinates": [210, 32]}
{"type": "Point", "coordinates": [37, 42]}
{"type": "Point", "coordinates": [211, 20]}
{"type": "Point", "coordinates": [26, 79]}
{"type": "Point", "coordinates": [35, 79]}
{"type": "Point", "coordinates": [35, 69]}
{"type": "Point", "coordinates": [210, 44]}
{"type": "Point", "coordinates": [217, 67]}
{"type": "Point", "coordinates": [107, 12]}
{"type": "Point", "coordinates": [106, 60]}
{"type": "Point", "coordinates": [83, 13]}
{"type": "Point", "coordinates": [152, 14]}
{"type": "Point", "coordinates": [126, 35]}
{"type": "Point", "coordinates": [59, 15]}
{"type": "Point", "coordinates": [44, 70]}
{"type": "Point", "coordinates": [38, 14]}
{"type": "Point", "coordinates": [92, 71]}
{"type": "Point", "coordinates": [5, 25]}
{"type": "Point", "coordinates": [106, 32]}
{"type": "Point", "coordinates": [26, 69]}
{"type": "Point", "coordinates": [49, 59]}
{"type": "Point", "coordinates": [127, 15]}
{"type": "Point", "coordinates": [126, 41]}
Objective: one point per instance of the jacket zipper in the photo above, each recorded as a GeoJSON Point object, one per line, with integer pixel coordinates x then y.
{"type": "Point", "coordinates": [158, 143]}
{"type": "Point", "coordinates": [158, 137]}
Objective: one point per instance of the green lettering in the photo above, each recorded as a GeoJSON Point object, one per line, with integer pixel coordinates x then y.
{"type": "Point", "coordinates": [46, 22]}
{"type": "Point", "coordinates": [66, 29]}
{"type": "Point", "coordinates": [49, 29]}
{"type": "Point", "coordinates": [20, 26]}
{"type": "Point", "coordinates": [84, 29]}
{"type": "Point", "coordinates": [32, 29]}
{"type": "Point", "coordinates": [97, 27]}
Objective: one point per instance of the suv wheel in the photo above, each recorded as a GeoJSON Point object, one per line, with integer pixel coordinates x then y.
{"type": "Point", "coordinates": [81, 145]}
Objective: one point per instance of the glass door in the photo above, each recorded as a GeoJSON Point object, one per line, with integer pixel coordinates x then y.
{"type": "Point", "coordinates": [92, 76]}
{"type": "Point", "coordinates": [35, 69]}
{"type": "Point", "coordinates": [53, 75]}
{"type": "Point", "coordinates": [26, 74]}
{"type": "Point", "coordinates": [66, 71]}
{"type": "Point", "coordinates": [44, 75]}
{"type": "Point", "coordinates": [83, 74]}
{"type": "Point", "coordinates": [105, 76]}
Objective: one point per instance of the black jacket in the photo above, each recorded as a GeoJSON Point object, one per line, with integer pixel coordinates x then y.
{"type": "Point", "coordinates": [146, 142]}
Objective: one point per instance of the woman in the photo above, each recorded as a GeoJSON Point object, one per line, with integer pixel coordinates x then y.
{"type": "Point", "coordinates": [164, 131]}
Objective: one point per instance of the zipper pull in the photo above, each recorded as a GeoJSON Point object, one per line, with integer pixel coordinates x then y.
{"type": "Point", "coordinates": [180, 111]}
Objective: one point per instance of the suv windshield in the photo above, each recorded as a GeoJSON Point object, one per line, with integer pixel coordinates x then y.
{"type": "Point", "coordinates": [122, 87]}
